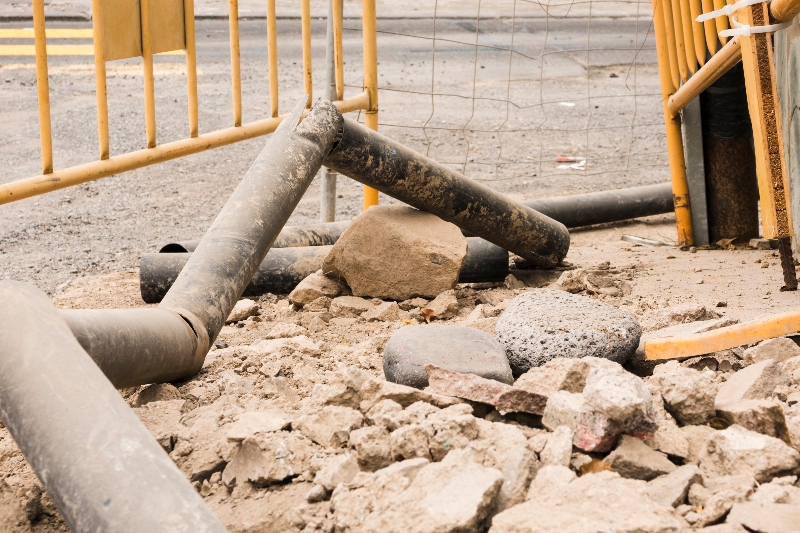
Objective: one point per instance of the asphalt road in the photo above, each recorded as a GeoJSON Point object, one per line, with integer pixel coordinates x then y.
{"type": "Point", "coordinates": [571, 88]}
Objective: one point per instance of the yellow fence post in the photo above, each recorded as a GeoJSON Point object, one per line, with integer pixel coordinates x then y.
{"type": "Point", "coordinates": [272, 56]}
{"type": "Point", "coordinates": [308, 81]}
{"type": "Point", "coordinates": [677, 165]}
{"type": "Point", "coordinates": [100, 78]}
{"type": "Point", "coordinates": [369, 27]}
{"type": "Point", "coordinates": [43, 87]}
{"type": "Point", "coordinates": [149, 82]}
{"type": "Point", "coordinates": [191, 66]}
{"type": "Point", "coordinates": [236, 73]}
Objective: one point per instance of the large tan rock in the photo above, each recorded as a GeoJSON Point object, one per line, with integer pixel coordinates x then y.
{"type": "Point", "coordinates": [397, 253]}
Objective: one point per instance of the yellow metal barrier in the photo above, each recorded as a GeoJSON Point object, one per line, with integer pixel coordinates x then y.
{"type": "Point", "coordinates": [121, 31]}
{"type": "Point", "coordinates": [677, 51]}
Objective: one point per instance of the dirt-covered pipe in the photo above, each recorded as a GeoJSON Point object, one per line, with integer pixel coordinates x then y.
{"type": "Point", "coordinates": [99, 464]}
{"type": "Point", "coordinates": [577, 210]}
{"type": "Point", "coordinates": [372, 159]}
{"type": "Point", "coordinates": [138, 346]}
{"type": "Point", "coordinates": [230, 253]}
{"type": "Point", "coordinates": [283, 268]}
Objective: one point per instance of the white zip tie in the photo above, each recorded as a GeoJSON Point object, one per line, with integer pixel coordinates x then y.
{"type": "Point", "coordinates": [727, 10]}
{"type": "Point", "coordinates": [746, 30]}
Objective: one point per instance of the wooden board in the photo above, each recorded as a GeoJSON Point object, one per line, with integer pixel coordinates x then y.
{"type": "Point", "coordinates": [762, 101]}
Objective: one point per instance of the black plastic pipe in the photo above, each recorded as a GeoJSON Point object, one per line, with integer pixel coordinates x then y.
{"type": "Point", "coordinates": [574, 211]}
{"type": "Point", "coordinates": [283, 268]}
{"type": "Point", "coordinates": [577, 210]}
{"type": "Point", "coordinates": [102, 468]}
{"type": "Point", "coordinates": [372, 159]}
{"type": "Point", "coordinates": [321, 234]}
{"type": "Point", "coordinates": [230, 253]}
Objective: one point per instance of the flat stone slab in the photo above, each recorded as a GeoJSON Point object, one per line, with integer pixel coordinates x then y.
{"type": "Point", "coordinates": [477, 389]}
{"type": "Point", "coordinates": [544, 324]}
{"type": "Point", "coordinates": [458, 348]}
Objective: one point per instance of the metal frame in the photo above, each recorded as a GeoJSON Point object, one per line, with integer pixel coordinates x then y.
{"type": "Point", "coordinates": [108, 165]}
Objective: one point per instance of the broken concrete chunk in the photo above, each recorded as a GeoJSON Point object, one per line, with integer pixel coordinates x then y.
{"type": "Point", "coordinates": [315, 286]}
{"type": "Point", "coordinates": [375, 390]}
{"type": "Point", "coordinates": [411, 441]}
{"type": "Point", "coordinates": [679, 314]}
{"type": "Point", "coordinates": [337, 469]}
{"type": "Point", "coordinates": [243, 309]}
{"type": "Point", "coordinates": [614, 402]}
{"type": "Point", "coordinates": [737, 450]}
{"type": "Point", "coordinates": [544, 324]}
{"type": "Point", "coordinates": [671, 489]}
{"type": "Point", "coordinates": [779, 490]}
{"type": "Point", "coordinates": [449, 496]}
{"type": "Point", "coordinates": [669, 439]}
{"type": "Point", "coordinates": [443, 306]}
{"type": "Point", "coordinates": [349, 306]}
{"type": "Point", "coordinates": [250, 423]}
{"type": "Point", "coordinates": [562, 373]}
{"type": "Point", "coordinates": [162, 419]}
{"type": "Point", "coordinates": [373, 447]}
{"type": "Point", "coordinates": [477, 389]}
{"type": "Point", "coordinates": [688, 394]}
{"type": "Point", "coordinates": [329, 426]}
{"type": "Point", "coordinates": [696, 437]}
{"type": "Point", "coordinates": [592, 503]}
{"type": "Point", "coordinates": [634, 459]}
{"type": "Point", "coordinates": [457, 348]}
{"type": "Point", "coordinates": [268, 458]}
{"type": "Point", "coordinates": [385, 312]}
{"type": "Point", "coordinates": [756, 382]}
{"type": "Point", "coordinates": [558, 450]}
{"type": "Point", "coordinates": [765, 517]}
{"type": "Point", "coordinates": [366, 255]}
{"type": "Point", "coordinates": [549, 477]}
{"type": "Point", "coordinates": [762, 416]}
{"type": "Point", "coordinates": [778, 349]}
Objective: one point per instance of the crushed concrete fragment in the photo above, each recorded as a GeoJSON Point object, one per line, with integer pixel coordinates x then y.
{"type": "Point", "coordinates": [315, 286]}
{"type": "Point", "coordinates": [633, 459]}
{"type": "Point", "coordinates": [762, 416]}
{"type": "Point", "coordinates": [671, 489]}
{"type": "Point", "coordinates": [737, 450]}
{"type": "Point", "coordinates": [477, 389]}
{"type": "Point", "coordinates": [243, 309]}
{"type": "Point", "coordinates": [777, 349]}
{"type": "Point", "coordinates": [688, 394]}
{"type": "Point", "coordinates": [329, 426]}
{"type": "Point", "coordinates": [445, 305]}
{"type": "Point", "coordinates": [755, 382]}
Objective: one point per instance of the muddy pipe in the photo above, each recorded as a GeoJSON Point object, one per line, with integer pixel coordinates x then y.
{"type": "Point", "coordinates": [230, 253]}
{"type": "Point", "coordinates": [574, 211]}
{"type": "Point", "coordinates": [372, 159]}
{"type": "Point", "coordinates": [102, 468]}
{"type": "Point", "coordinates": [283, 268]}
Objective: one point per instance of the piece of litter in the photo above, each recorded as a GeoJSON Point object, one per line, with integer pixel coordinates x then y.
{"type": "Point", "coordinates": [642, 240]}
{"type": "Point", "coordinates": [568, 159]}
{"type": "Point", "coordinates": [567, 104]}
{"type": "Point", "coordinates": [581, 165]}
{"type": "Point", "coordinates": [725, 242]}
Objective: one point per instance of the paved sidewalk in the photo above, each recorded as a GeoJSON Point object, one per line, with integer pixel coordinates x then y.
{"type": "Point", "coordinates": [20, 10]}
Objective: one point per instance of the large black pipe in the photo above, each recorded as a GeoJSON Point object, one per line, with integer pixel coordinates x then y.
{"type": "Point", "coordinates": [579, 210]}
{"type": "Point", "coordinates": [574, 211]}
{"type": "Point", "coordinates": [370, 158]}
{"type": "Point", "coordinates": [99, 464]}
{"type": "Point", "coordinates": [283, 268]}
{"type": "Point", "coordinates": [321, 234]}
{"type": "Point", "coordinates": [230, 253]}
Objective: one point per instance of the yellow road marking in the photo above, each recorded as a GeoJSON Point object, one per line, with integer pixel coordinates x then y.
{"type": "Point", "coordinates": [58, 50]}
{"type": "Point", "coordinates": [54, 33]}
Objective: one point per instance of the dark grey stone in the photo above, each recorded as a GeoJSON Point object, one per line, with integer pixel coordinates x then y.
{"type": "Point", "coordinates": [457, 348]}
{"type": "Point", "coordinates": [544, 324]}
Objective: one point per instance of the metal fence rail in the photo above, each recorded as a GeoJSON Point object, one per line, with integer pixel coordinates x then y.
{"type": "Point", "coordinates": [161, 26]}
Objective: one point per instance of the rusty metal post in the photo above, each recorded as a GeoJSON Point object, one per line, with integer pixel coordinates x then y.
{"type": "Point", "coordinates": [730, 164]}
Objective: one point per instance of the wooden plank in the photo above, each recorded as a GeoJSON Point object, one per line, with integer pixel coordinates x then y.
{"type": "Point", "coordinates": [762, 100]}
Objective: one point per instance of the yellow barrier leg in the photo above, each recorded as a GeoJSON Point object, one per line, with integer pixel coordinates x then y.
{"type": "Point", "coordinates": [369, 29]}
{"type": "Point", "coordinates": [677, 166]}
